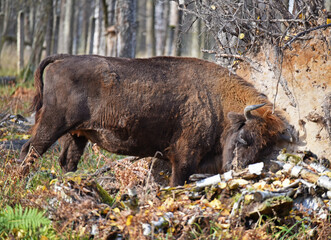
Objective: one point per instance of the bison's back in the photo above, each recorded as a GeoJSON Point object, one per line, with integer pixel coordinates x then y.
{"type": "Point", "coordinates": [139, 105]}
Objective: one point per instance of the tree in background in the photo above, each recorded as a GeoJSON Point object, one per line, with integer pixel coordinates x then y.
{"type": "Point", "coordinates": [243, 27]}
{"type": "Point", "coordinates": [227, 29]}
{"type": "Point", "coordinates": [126, 22]}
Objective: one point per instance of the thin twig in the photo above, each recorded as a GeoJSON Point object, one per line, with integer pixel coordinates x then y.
{"type": "Point", "coordinates": [225, 55]}
{"type": "Point", "coordinates": [278, 80]}
{"type": "Point", "coordinates": [288, 44]}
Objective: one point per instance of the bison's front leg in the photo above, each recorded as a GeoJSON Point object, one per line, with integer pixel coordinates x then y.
{"type": "Point", "coordinates": [184, 157]}
{"type": "Point", "coordinates": [71, 152]}
{"type": "Point", "coordinates": [182, 169]}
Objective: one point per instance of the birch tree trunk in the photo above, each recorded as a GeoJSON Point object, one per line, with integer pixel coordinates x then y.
{"type": "Point", "coordinates": [77, 28]}
{"type": "Point", "coordinates": [90, 38]}
{"type": "Point", "coordinates": [20, 41]}
{"type": "Point", "coordinates": [86, 6]}
{"type": "Point", "coordinates": [56, 26]}
{"type": "Point", "coordinates": [49, 29]}
{"type": "Point", "coordinates": [126, 20]}
{"type": "Point", "coordinates": [38, 40]}
{"type": "Point", "coordinates": [55, 39]}
{"type": "Point", "coordinates": [141, 28]}
{"type": "Point", "coordinates": [111, 30]}
{"type": "Point", "coordinates": [161, 17]}
{"type": "Point", "coordinates": [171, 35]}
{"type": "Point", "coordinates": [5, 19]}
{"type": "Point", "coordinates": [150, 30]}
{"type": "Point", "coordinates": [195, 48]}
{"type": "Point", "coordinates": [68, 26]}
{"type": "Point", "coordinates": [96, 41]}
{"type": "Point", "coordinates": [327, 4]}
{"type": "Point", "coordinates": [2, 20]}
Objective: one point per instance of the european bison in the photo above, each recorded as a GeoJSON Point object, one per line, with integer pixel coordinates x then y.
{"type": "Point", "coordinates": [190, 110]}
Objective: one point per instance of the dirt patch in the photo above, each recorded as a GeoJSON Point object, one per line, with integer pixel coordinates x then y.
{"type": "Point", "coordinates": [304, 86]}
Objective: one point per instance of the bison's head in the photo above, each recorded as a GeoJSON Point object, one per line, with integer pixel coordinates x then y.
{"type": "Point", "coordinates": [250, 136]}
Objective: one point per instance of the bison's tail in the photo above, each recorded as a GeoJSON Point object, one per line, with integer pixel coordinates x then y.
{"type": "Point", "coordinates": [39, 83]}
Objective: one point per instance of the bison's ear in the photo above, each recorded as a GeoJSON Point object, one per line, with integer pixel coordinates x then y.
{"type": "Point", "coordinates": [236, 118]}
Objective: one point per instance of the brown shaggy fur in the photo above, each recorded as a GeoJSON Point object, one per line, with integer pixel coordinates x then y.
{"type": "Point", "coordinates": [191, 110]}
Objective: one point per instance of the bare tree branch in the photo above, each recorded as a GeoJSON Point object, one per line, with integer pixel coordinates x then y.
{"type": "Point", "coordinates": [288, 44]}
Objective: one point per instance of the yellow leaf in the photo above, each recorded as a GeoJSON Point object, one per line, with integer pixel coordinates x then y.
{"type": "Point", "coordinates": [205, 201]}
{"type": "Point", "coordinates": [259, 185]}
{"type": "Point", "coordinates": [77, 179]}
{"type": "Point", "coordinates": [81, 231]}
{"type": "Point", "coordinates": [235, 62]}
{"type": "Point", "coordinates": [286, 38]}
{"type": "Point", "coordinates": [25, 136]}
{"type": "Point", "coordinates": [116, 210]}
{"type": "Point", "coordinates": [106, 210]}
{"type": "Point", "coordinates": [168, 204]}
{"type": "Point", "coordinates": [248, 198]}
{"type": "Point", "coordinates": [216, 204]}
{"type": "Point", "coordinates": [234, 183]}
{"type": "Point", "coordinates": [43, 238]}
{"type": "Point", "coordinates": [158, 213]}
{"type": "Point", "coordinates": [298, 218]}
{"type": "Point", "coordinates": [225, 212]}
{"type": "Point", "coordinates": [241, 36]}
{"type": "Point", "coordinates": [224, 225]}
{"type": "Point", "coordinates": [213, 7]}
{"type": "Point", "coordinates": [53, 181]}
{"type": "Point", "coordinates": [129, 220]}
{"type": "Point", "coordinates": [301, 16]}
{"type": "Point", "coordinates": [222, 185]}
{"type": "Point", "coordinates": [328, 20]}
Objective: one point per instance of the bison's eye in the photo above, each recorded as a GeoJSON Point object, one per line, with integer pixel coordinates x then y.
{"type": "Point", "coordinates": [241, 138]}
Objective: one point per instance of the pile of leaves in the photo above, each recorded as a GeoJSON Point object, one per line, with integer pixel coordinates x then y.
{"type": "Point", "coordinates": [122, 200]}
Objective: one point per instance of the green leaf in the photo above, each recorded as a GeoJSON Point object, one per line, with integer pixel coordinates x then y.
{"type": "Point", "coordinates": [17, 218]}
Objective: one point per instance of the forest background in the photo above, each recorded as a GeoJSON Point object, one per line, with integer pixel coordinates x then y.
{"type": "Point", "coordinates": [146, 28]}
{"type": "Point", "coordinates": [281, 46]}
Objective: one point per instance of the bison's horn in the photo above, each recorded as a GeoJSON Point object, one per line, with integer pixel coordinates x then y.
{"type": "Point", "coordinates": [248, 109]}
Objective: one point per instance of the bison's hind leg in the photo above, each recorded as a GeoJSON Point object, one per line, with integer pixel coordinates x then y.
{"type": "Point", "coordinates": [72, 148]}
{"type": "Point", "coordinates": [43, 138]}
